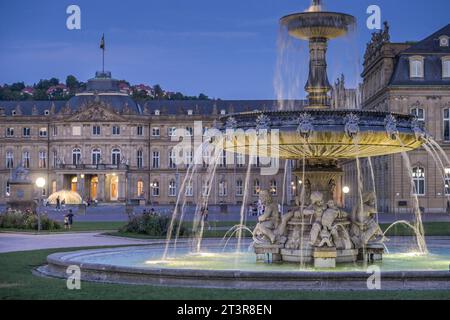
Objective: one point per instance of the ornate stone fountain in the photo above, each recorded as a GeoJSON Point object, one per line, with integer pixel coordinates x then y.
{"type": "Point", "coordinates": [318, 231]}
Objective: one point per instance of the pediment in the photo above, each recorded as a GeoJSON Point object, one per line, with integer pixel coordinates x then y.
{"type": "Point", "coordinates": [96, 112]}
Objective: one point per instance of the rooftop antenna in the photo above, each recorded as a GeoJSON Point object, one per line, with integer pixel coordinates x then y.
{"type": "Point", "coordinates": [102, 46]}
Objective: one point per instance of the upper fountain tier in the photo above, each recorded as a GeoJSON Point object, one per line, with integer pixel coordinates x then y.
{"type": "Point", "coordinates": [315, 23]}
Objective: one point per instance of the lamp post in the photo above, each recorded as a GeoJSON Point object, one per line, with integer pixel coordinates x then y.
{"type": "Point", "coordinates": [40, 183]}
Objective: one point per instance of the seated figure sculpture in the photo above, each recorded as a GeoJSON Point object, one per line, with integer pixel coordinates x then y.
{"type": "Point", "coordinates": [364, 228]}
{"type": "Point", "coordinates": [332, 224]}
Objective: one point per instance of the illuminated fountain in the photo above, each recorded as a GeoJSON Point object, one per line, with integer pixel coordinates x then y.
{"type": "Point", "coordinates": [317, 244]}
{"type": "Point", "coordinates": [318, 231]}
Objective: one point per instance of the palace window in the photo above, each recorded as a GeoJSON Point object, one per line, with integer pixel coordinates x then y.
{"type": "Point", "coordinates": [76, 131]}
{"type": "Point", "coordinates": [189, 132]}
{"type": "Point", "coordinates": [140, 130]}
{"type": "Point", "coordinates": [444, 41]}
{"type": "Point", "coordinates": [155, 160]}
{"type": "Point", "coordinates": [205, 188]}
{"type": "Point", "coordinates": [55, 131]}
{"type": "Point", "coordinates": [8, 189]}
{"type": "Point", "coordinates": [26, 132]}
{"type": "Point", "coordinates": [140, 188]}
{"type": "Point", "coordinates": [172, 188]}
{"type": "Point", "coordinates": [446, 124]}
{"type": "Point", "coordinates": [273, 187]}
{"type": "Point", "coordinates": [96, 156]}
{"type": "Point", "coordinates": [42, 159]}
{"type": "Point", "coordinates": [9, 160]}
{"type": "Point", "coordinates": [76, 156]}
{"type": "Point", "coordinates": [206, 155]}
{"type": "Point", "coordinates": [156, 132]}
{"type": "Point", "coordinates": [10, 132]}
{"type": "Point", "coordinates": [223, 159]}
{"type": "Point", "coordinates": [155, 188]}
{"type": "Point", "coordinates": [239, 188]}
{"type": "Point", "coordinates": [418, 175]}
{"type": "Point", "coordinates": [416, 67]}
{"type": "Point", "coordinates": [188, 158]}
{"type": "Point", "coordinates": [26, 159]}
{"type": "Point", "coordinates": [447, 181]}
{"type": "Point", "coordinates": [419, 113]}
{"type": "Point", "coordinates": [140, 158]}
{"type": "Point", "coordinates": [43, 132]}
{"type": "Point", "coordinates": [171, 131]}
{"type": "Point", "coordinates": [116, 130]}
{"type": "Point", "coordinates": [55, 158]}
{"type": "Point", "coordinates": [115, 156]}
{"type": "Point", "coordinates": [96, 130]}
{"type": "Point", "coordinates": [240, 160]}
{"type": "Point", "coordinates": [189, 189]}
{"type": "Point", "coordinates": [256, 188]}
{"type": "Point", "coordinates": [172, 160]}
{"type": "Point", "coordinates": [223, 189]}
{"type": "Point", "coordinates": [446, 67]}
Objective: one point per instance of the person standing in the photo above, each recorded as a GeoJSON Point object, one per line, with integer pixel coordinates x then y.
{"type": "Point", "coordinates": [58, 203]}
{"type": "Point", "coordinates": [69, 217]}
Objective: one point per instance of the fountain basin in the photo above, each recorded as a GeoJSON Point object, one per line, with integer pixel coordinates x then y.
{"type": "Point", "coordinates": [328, 136]}
{"type": "Point", "coordinates": [309, 25]}
{"type": "Point", "coordinates": [215, 269]}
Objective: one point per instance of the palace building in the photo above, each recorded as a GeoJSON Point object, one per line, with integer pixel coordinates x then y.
{"type": "Point", "coordinates": [108, 147]}
{"type": "Point", "coordinates": [411, 78]}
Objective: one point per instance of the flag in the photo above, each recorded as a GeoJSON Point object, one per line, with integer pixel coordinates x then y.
{"type": "Point", "coordinates": [102, 43]}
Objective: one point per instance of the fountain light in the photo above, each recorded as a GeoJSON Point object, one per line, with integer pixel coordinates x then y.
{"type": "Point", "coordinates": [346, 190]}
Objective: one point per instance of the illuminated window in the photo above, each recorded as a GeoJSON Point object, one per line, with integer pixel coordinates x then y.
{"type": "Point", "coordinates": [172, 188]}
{"type": "Point", "coordinates": [273, 187]}
{"type": "Point", "coordinates": [418, 175]}
{"type": "Point", "coordinates": [155, 188]}
{"type": "Point", "coordinates": [256, 188]}
{"type": "Point", "coordinates": [140, 188]}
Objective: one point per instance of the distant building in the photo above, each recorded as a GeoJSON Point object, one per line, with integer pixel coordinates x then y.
{"type": "Point", "coordinates": [412, 79]}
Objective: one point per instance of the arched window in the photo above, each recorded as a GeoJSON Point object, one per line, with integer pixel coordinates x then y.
{"type": "Point", "coordinates": [140, 158]}
{"type": "Point", "coordinates": [172, 160]}
{"type": "Point", "coordinates": [55, 159]}
{"type": "Point", "coordinates": [446, 125]}
{"type": "Point", "coordinates": [155, 188]}
{"type": "Point", "coordinates": [223, 188]}
{"type": "Point", "coordinates": [273, 187]}
{"type": "Point", "coordinates": [26, 159]}
{"type": "Point", "coordinates": [155, 160]}
{"type": "Point", "coordinates": [76, 156]}
{"type": "Point", "coordinates": [172, 188]}
{"type": "Point", "coordinates": [416, 67]}
{"type": "Point", "coordinates": [256, 187]}
{"type": "Point", "coordinates": [9, 160]}
{"type": "Point", "coordinates": [140, 188]}
{"type": "Point", "coordinates": [96, 156]}
{"type": "Point", "coordinates": [115, 156]}
{"type": "Point", "coordinates": [447, 181]}
{"type": "Point", "coordinates": [42, 159]}
{"type": "Point", "coordinates": [239, 188]}
{"type": "Point", "coordinates": [205, 188]}
{"type": "Point", "coordinates": [419, 113]}
{"type": "Point", "coordinates": [418, 175]}
{"type": "Point", "coordinates": [189, 189]}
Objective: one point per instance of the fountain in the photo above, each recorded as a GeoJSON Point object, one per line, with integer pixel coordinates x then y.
{"type": "Point", "coordinates": [318, 231]}
{"type": "Point", "coordinates": [315, 245]}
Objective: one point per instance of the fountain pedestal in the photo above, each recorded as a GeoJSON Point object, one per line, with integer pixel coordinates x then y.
{"type": "Point", "coordinates": [373, 252]}
{"type": "Point", "coordinates": [325, 257]}
{"type": "Point", "coordinates": [268, 253]}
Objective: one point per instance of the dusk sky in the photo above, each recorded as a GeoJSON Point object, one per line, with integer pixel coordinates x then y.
{"type": "Point", "coordinates": [225, 49]}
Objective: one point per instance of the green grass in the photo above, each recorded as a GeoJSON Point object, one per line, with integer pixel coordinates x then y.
{"type": "Point", "coordinates": [17, 282]}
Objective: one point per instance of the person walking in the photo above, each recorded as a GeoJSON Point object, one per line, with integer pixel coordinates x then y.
{"type": "Point", "coordinates": [69, 217]}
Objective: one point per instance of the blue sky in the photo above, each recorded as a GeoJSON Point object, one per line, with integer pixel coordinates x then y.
{"type": "Point", "coordinates": [226, 49]}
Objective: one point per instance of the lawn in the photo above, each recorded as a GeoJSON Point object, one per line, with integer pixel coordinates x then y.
{"type": "Point", "coordinates": [17, 282]}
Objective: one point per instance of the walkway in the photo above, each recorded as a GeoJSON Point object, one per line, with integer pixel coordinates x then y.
{"type": "Point", "coordinates": [11, 242]}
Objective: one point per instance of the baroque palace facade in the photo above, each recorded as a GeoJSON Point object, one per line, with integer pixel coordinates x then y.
{"type": "Point", "coordinates": [408, 78]}
{"type": "Point", "coordinates": [107, 147]}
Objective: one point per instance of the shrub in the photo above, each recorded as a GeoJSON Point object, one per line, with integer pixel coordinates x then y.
{"type": "Point", "coordinates": [152, 225]}
{"type": "Point", "coordinates": [26, 221]}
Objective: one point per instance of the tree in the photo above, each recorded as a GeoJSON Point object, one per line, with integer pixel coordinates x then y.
{"type": "Point", "coordinates": [159, 93]}
{"type": "Point", "coordinates": [18, 86]}
{"type": "Point", "coordinates": [72, 83]}
{"type": "Point", "coordinates": [202, 96]}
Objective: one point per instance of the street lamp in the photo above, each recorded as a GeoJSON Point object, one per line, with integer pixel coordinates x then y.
{"type": "Point", "coordinates": [346, 190]}
{"type": "Point", "coordinates": [40, 183]}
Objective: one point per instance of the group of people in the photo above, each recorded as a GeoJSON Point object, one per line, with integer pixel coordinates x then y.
{"type": "Point", "coordinates": [60, 203]}
{"type": "Point", "coordinates": [151, 212]}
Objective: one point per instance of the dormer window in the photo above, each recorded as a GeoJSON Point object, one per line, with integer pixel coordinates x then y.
{"type": "Point", "coordinates": [190, 112]}
{"type": "Point", "coordinates": [416, 67]}
{"type": "Point", "coordinates": [444, 41]}
{"type": "Point", "coordinates": [223, 112]}
{"type": "Point", "coordinates": [446, 67]}
{"type": "Point", "coordinates": [47, 112]}
{"type": "Point", "coordinates": [13, 113]}
{"type": "Point", "coordinates": [157, 112]}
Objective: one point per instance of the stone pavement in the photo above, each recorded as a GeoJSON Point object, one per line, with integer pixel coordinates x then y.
{"type": "Point", "coordinates": [11, 242]}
